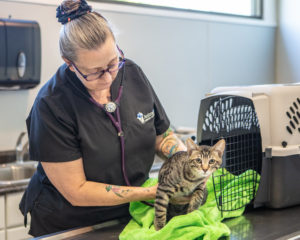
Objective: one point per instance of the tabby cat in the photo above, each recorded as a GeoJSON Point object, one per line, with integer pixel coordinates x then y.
{"type": "Point", "coordinates": [182, 180]}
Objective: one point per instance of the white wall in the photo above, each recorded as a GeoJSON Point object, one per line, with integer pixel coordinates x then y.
{"type": "Point", "coordinates": [183, 57]}
{"type": "Point", "coordinates": [288, 42]}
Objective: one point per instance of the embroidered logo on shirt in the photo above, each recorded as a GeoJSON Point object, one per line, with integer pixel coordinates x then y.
{"type": "Point", "coordinates": [145, 118]}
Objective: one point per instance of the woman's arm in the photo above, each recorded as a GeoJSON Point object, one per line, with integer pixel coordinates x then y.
{"type": "Point", "coordinates": [167, 144]}
{"type": "Point", "coordinates": [69, 179]}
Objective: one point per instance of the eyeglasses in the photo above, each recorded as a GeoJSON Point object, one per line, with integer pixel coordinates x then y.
{"type": "Point", "coordinates": [112, 68]}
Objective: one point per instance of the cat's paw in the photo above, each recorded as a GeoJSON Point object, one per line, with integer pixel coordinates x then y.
{"type": "Point", "coordinates": [192, 208]}
{"type": "Point", "coordinates": [189, 210]}
{"type": "Point", "coordinates": [158, 225]}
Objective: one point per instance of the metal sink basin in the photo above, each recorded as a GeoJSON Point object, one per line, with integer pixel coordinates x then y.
{"type": "Point", "coordinates": [17, 173]}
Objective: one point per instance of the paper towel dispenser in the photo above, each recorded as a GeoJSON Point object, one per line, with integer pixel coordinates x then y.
{"type": "Point", "coordinates": [20, 54]}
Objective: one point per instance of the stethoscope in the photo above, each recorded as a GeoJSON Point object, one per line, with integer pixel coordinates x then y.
{"type": "Point", "coordinates": [109, 109]}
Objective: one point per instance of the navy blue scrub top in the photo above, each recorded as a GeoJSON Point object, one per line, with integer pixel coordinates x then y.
{"type": "Point", "coordinates": [64, 125]}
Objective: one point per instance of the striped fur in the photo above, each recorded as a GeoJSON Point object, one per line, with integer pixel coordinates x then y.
{"type": "Point", "coordinates": [182, 180]}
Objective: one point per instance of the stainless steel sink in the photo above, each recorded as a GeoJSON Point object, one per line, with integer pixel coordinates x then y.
{"type": "Point", "coordinates": [17, 173]}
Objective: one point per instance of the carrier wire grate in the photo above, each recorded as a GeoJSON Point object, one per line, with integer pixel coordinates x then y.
{"type": "Point", "coordinates": [234, 119]}
{"type": "Point", "coordinates": [232, 187]}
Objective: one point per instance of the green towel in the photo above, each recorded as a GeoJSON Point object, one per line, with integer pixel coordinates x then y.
{"type": "Point", "coordinates": [204, 223]}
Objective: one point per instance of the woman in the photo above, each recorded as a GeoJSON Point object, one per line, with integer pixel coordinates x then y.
{"type": "Point", "coordinates": [94, 128]}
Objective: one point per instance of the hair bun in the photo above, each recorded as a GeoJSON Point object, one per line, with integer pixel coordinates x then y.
{"type": "Point", "coordinates": [71, 9]}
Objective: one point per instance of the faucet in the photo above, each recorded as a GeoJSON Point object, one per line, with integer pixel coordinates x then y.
{"type": "Point", "coordinates": [21, 150]}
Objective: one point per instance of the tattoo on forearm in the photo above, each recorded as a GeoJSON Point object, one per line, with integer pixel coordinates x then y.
{"type": "Point", "coordinates": [169, 147]}
{"type": "Point", "coordinates": [117, 190]}
{"type": "Point", "coordinates": [170, 144]}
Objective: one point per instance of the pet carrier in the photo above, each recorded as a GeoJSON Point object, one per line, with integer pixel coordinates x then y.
{"type": "Point", "coordinates": [261, 126]}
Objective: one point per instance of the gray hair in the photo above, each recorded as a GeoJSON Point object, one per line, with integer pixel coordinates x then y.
{"type": "Point", "coordinates": [86, 32]}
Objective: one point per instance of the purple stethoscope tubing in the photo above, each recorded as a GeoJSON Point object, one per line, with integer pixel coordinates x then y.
{"type": "Point", "coordinates": [118, 125]}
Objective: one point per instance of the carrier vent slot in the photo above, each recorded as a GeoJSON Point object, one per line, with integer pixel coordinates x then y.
{"type": "Point", "coordinates": [292, 124]}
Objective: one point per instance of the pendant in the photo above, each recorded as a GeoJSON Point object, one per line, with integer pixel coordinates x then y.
{"type": "Point", "coordinates": [110, 107]}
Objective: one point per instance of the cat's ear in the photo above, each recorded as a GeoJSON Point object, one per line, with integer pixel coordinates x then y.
{"type": "Point", "coordinates": [190, 145]}
{"type": "Point", "coordinates": [219, 147]}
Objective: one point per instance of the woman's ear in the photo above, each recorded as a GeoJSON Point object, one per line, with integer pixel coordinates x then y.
{"type": "Point", "coordinates": [69, 63]}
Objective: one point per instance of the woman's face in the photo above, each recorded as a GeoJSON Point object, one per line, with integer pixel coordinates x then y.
{"type": "Point", "coordinates": [91, 61]}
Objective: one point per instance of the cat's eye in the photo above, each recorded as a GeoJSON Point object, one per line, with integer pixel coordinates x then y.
{"type": "Point", "coordinates": [211, 161]}
{"type": "Point", "coordinates": [199, 160]}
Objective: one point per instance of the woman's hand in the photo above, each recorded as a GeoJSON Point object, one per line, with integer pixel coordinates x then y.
{"type": "Point", "coordinates": [153, 190]}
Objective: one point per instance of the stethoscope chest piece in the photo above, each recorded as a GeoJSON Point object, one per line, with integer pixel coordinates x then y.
{"type": "Point", "coordinates": [110, 107]}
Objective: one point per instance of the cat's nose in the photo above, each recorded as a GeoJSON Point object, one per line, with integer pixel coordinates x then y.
{"type": "Point", "coordinates": [205, 169]}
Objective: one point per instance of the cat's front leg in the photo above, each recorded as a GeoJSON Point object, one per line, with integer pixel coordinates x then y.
{"type": "Point", "coordinates": [198, 198]}
{"type": "Point", "coordinates": [162, 199]}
